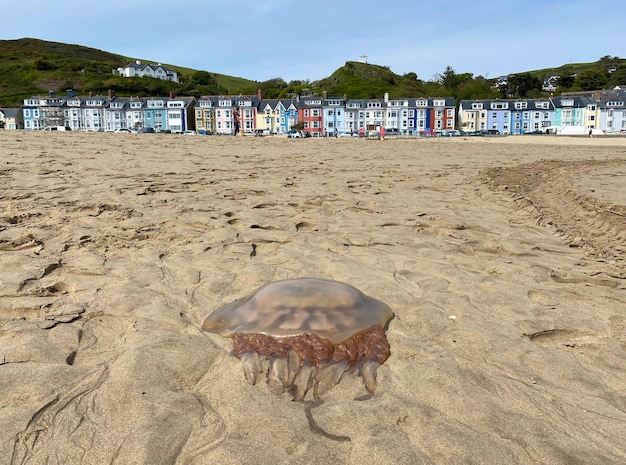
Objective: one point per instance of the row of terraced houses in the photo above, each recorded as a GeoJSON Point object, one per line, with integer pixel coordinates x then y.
{"type": "Point", "coordinates": [223, 114]}
{"type": "Point", "coordinates": [604, 111]}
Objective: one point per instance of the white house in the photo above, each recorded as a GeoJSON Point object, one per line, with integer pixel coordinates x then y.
{"type": "Point", "coordinates": [138, 69]}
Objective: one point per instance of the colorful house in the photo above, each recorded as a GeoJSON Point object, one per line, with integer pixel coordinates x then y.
{"type": "Point", "coordinates": [180, 113]}
{"type": "Point", "coordinates": [205, 115]}
{"type": "Point", "coordinates": [571, 110]}
{"type": "Point", "coordinates": [154, 114]}
{"type": "Point", "coordinates": [224, 111]}
{"type": "Point", "coordinates": [441, 114]}
{"type": "Point", "coordinates": [472, 116]}
{"type": "Point", "coordinates": [31, 114]}
{"type": "Point", "coordinates": [247, 106]}
{"type": "Point", "coordinates": [506, 116]}
{"type": "Point", "coordinates": [334, 120]}
{"type": "Point", "coordinates": [397, 114]}
{"type": "Point", "coordinates": [276, 115]}
{"type": "Point", "coordinates": [311, 113]}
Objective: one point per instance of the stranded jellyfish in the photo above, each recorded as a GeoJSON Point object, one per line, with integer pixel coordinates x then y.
{"type": "Point", "coordinates": [310, 330]}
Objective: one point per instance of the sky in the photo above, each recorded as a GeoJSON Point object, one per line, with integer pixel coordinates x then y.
{"type": "Point", "coordinates": [309, 40]}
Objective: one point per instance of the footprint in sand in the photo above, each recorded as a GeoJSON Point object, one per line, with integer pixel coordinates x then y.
{"type": "Point", "coordinates": [566, 338]}
{"type": "Point", "coordinates": [412, 282]}
{"type": "Point", "coordinates": [433, 284]}
{"type": "Point", "coordinates": [542, 298]}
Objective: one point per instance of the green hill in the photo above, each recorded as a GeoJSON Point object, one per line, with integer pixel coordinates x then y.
{"type": "Point", "coordinates": [33, 67]}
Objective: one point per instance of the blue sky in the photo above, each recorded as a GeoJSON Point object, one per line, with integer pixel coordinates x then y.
{"type": "Point", "coordinates": [295, 39]}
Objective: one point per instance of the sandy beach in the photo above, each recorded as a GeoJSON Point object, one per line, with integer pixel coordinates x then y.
{"type": "Point", "coordinates": [503, 259]}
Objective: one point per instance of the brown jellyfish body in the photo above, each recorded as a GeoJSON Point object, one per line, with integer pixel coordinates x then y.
{"type": "Point", "coordinates": [310, 330]}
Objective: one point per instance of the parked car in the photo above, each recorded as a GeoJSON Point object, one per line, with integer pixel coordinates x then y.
{"type": "Point", "coordinates": [123, 130]}
{"type": "Point", "coordinates": [57, 128]}
{"type": "Point", "coordinates": [189, 132]}
{"type": "Point", "coordinates": [145, 131]}
{"type": "Point", "coordinates": [348, 134]}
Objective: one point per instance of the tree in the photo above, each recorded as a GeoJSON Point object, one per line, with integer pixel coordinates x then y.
{"type": "Point", "coordinates": [565, 81]}
{"type": "Point", "coordinates": [203, 78]}
{"type": "Point", "coordinates": [618, 77]}
{"type": "Point", "coordinates": [591, 79]}
{"type": "Point", "coordinates": [449, 78]}
{"type": "Point", "coordinates": [523, 83]}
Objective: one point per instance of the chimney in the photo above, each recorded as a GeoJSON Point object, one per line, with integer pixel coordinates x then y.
{"type": "Point", "coordinates": [111, 94]}
{"type": "Point", "coordinates": [386, 97]}
{"type": "Point", "coordinates": [259, 94]}
{"type": "Point", "coordinates": [324, 94]}
{"type": "Point", "coordinates": [90, 94]}
{"type": "Point", "coordinates": [172, 95]}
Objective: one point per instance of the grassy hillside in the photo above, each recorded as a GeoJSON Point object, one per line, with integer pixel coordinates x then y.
{"type": "Point", "coordinates": [33, 67]}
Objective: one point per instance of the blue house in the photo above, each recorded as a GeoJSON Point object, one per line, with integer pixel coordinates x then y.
{"type": "Point", "coordinates": [31, 114]}
{"type": "Point", "coordinates": [334, 115]}
{"type": "Point", "coordinates": [155, 113]}
{"type": "Point", "coordinates": [570, 111]}
{"type": "Point", "coordinates": [499, 115]}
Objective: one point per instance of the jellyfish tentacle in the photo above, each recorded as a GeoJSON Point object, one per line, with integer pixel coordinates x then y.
{"type": "Point", "coordinates": [293, 366]}
{"type": "Point", "coordinates": [278, 374]}
{"type": "Point", "coordinates": [251, 366]}
{"type": "Point", "coordinates": [368, 373]}
{"type": "Point", "coordinates": [303, 381]}
{"type": "Point", "coordinates": [328, 376]}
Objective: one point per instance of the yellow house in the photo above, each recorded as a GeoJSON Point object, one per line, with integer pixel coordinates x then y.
{"type": "Point", "coordinates": [592, 115]}
{"type": "Point", "coordinates": [268, 116]}
{"type": "Point", "coordinates": [205, 115]}
{"type": "Point", "coordinates": [11, 118]}
{"type": "Point", "coordinates": [472, 116]}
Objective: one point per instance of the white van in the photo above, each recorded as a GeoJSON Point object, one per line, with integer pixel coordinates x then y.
{"type": "Point", "coordinates": [57, 128]}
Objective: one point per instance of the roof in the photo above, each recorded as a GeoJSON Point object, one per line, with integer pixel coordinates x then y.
{"type": "Point", "coordinates": [10, 112]}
